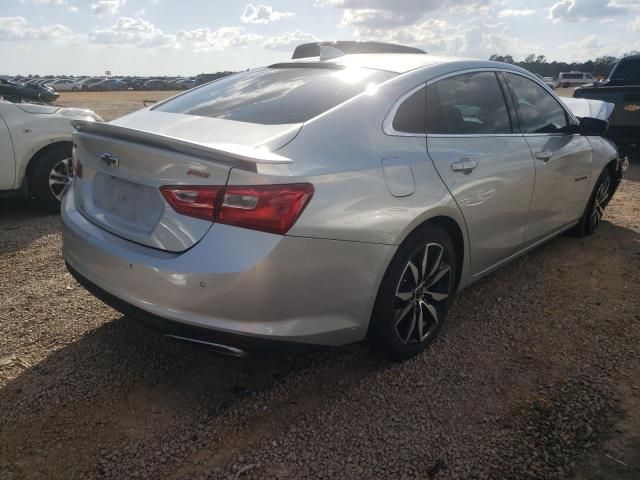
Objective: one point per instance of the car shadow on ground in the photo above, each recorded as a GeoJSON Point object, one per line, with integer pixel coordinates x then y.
{"type": "Point", "coordinates": [22, 222]}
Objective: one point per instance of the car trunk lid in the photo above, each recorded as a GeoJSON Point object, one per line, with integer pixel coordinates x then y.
{"type": "Point", "coordinates": [124, 166]}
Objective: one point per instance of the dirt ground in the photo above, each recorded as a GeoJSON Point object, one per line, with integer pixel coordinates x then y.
{"type": "Point", "coordinates": [111, 105]}
{"type": "Point", "coordinates": [535, 375]}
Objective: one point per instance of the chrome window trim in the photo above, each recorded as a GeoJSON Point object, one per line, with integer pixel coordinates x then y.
{"type": "Point", "coordinates": [387, 125]}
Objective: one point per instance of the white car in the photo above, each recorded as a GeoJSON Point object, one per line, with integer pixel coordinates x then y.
{"type": "Point", "coordinates": [551, 82]}
{"type": "Point", "coordinates": [35, 150]}
{"type": "Point", "coordinates": [64, 85]}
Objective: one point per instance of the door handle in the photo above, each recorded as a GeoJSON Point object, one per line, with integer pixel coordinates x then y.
{"type": "Point", "coordinates": [544, 155]}
{"type": "Point", "coordinates": [464, 165]}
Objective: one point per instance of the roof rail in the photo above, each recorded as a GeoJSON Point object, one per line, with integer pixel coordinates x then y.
{"type": "Point", "coordinates": [346, 47]}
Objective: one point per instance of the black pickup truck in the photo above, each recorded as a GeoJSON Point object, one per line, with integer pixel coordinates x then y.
{"type": "Point", "coordinates": [622, 88]}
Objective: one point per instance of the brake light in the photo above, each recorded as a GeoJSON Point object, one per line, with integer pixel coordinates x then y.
{"type": "Point", "coordinates": [268, 208]}
{"type": "Point", "coordinates": [197, 201]}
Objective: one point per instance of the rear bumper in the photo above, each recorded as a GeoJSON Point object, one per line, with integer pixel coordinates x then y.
{"type": "Point", "coordinates": [234, 281]}
{"type": "Point", "coordinates": [229, 342]}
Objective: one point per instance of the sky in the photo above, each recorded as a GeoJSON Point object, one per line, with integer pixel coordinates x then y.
{"type": "Point", "coordinates": [187, 37]}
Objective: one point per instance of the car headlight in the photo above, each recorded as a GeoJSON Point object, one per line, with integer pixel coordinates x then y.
{"type": "Point", "coordinates": [80, 114]}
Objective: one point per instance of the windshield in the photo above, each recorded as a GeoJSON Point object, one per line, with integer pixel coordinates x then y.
{"type": "Point", "coordinates": [274, 96]}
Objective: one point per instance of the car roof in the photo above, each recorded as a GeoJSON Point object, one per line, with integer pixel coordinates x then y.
{"type": "Point", "coordinates": [394, 62]}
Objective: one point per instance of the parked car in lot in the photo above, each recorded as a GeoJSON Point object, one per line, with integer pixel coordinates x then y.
{"type": "Point", "coordinates": [328, 200]}
{"type": "Point", "coordinates": [568, 79]}
{"type": "Point", "coordinates": [64, 85]}
{"type": "Point", "coordinates": [35, 150]}
{"type": "Point", "coordinates": [548, 81]}
{"type": "Point", "coordinates": [622, 88]}
{"type": "Point", "coordinates": [108, 85]}
{"type": "Point", "coordinates": [87, 82]}
{"type": "Point", "coordinates": [155, 85]}
{"type": "Point", "coordinates": [15, 91]}
{"type": "Point", "coordinates": [184, 84]}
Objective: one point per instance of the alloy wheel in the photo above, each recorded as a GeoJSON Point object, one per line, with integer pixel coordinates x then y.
{"type": "Point", "coordinates": [599, 202]}
{"type": "Point", "coordinates": [60, 177]}
{"type": "Point", "coordinates": [421, 294]}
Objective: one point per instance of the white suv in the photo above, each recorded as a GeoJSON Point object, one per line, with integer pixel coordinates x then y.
{"type": "Point", "coordinates": [35, 150]}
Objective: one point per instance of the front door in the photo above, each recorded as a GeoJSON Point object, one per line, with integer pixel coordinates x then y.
{"type": "Point", "coordinates": [486, 166]}
{"type": "Point", "coordinates": [7, 161]}
{"type": "Point", "coordinates": [562, 159]}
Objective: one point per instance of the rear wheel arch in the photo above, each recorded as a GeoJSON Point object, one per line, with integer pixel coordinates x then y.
{"type": "Point", "coordinates": [453, 229]}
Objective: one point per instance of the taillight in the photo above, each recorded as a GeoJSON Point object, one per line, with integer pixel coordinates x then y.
{"type": "Point", "coordinates": [198, 201]}
{"type": "Point", "coordinates": [268, 208]}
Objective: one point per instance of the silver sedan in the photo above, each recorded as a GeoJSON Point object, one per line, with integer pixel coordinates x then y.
{"type": "Point", "coordinates": [324, 201]}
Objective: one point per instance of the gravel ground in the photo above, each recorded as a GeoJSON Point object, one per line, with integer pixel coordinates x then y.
{"type": "Point", "coordinates": [535, 375]}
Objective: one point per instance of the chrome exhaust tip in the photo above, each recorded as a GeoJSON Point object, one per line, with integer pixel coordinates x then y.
{"type": "Point", "coordinates": [217, 347]}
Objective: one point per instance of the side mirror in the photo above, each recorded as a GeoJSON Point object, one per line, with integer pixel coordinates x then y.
{"type": "Point", "coordinates": [593, 126]}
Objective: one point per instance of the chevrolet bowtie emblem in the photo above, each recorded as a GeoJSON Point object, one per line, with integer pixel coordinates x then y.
{"type": "Point", "coordinates": [632, 108]}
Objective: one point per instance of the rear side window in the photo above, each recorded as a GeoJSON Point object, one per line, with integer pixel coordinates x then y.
{"type": "Point", "coordinates": [538, 111]}
{"type": "Point", "coordinates": [410, 117]}
{"type": "Point", "coordinates": [627, 71]}
{"type": "Point", "coordinates": [470, 103]}
{"type": "Point", "coordinates": [274, 96]}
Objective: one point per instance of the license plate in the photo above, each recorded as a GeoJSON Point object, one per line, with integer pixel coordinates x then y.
{"type": "Point", "coordinates": [124, 200]}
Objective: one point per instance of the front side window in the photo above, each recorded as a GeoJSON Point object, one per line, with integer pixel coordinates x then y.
{"type": "Point", "coordinates": [470, 103]}
{"type": "Point", "coordinates": [538, 111]}
{"type": "Point", "coordinates": [276, 95]}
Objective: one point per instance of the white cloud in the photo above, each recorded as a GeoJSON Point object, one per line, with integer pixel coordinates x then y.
{"type": "Point", "coordinates": [573, 10]}
{"type": "Point", "coordinates": [262, 14]}
{"type": "Point", "coordinates": [205, 39]}
{"type": "Point", "coordinates": [107, 7]}
{"type": "Point", "coordinates": [473, 38]}
{"type": "Point", "coordinates": [385, 14]}
{"type": "Point", "coordinates": [133, 32]}
{"type": "Point", "coordinates": [515, 13]}
{"type": "Point", "coordinates": [17, 28]}
{"type": "Point", "coordinates": [289, 40]}
{"type": "Point", "coordinates": [635, 25]}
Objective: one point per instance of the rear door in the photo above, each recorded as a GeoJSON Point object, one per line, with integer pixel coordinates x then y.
{"type": "Point", "coordinates": [7, 161]}
{"type": "Point", "coordinates": [486, 166]}
{"type": "Point", "coordinates": [562, 159]}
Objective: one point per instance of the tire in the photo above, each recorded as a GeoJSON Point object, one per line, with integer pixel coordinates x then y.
{"type": "Point", "coordinates": [50, 177]}
{"type": "Point", "coordinates": [75, 89]}
{"type": "Point", "coordinates": [592, 216]}
{"type": "Point", "coordinates": [396, 328]}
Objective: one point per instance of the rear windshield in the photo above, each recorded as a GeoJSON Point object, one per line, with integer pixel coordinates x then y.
{"type": "Point", "coordinates": [275, 96]}
{"type": "Point", "coordinates": [627, 71]}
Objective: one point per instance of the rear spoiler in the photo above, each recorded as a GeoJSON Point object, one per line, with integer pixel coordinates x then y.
{"type": "Point", "coordinates": [221, 152]}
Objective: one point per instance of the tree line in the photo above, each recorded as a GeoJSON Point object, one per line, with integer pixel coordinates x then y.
{"type": "Point", "coordinates": [539, 64]}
